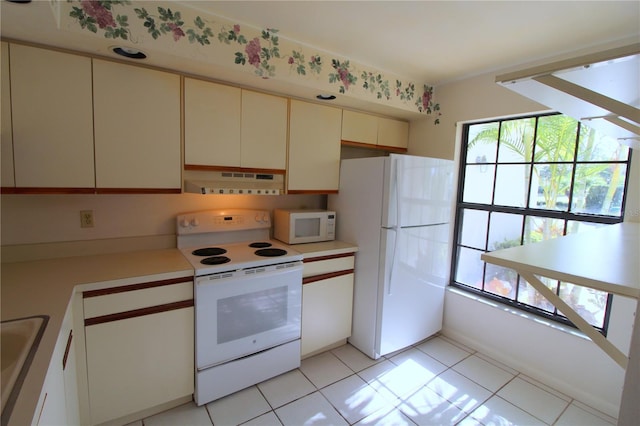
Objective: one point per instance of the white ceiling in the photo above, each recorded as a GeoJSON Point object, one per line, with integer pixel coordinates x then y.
{"type": "Point", "coordinates": [429, 41]}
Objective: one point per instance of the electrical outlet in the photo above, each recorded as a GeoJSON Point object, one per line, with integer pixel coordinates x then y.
{"type": "Point", "coordinates": [86, 218]}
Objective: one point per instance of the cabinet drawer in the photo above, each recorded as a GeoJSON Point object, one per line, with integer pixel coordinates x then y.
{"type": "Point", "coordinates": [140, 296]}
{"type": "Point", "coordinates": [325, 265]}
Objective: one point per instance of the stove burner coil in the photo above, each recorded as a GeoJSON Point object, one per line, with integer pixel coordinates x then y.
{"type": "Point", "coordinates": [270, 252]}
{"type": "Point", "coordinates": [209, 251]}
{"type": "Point", "coordinates": [215, 260]}
{"type": "Point", "coordinates": [260, 244]}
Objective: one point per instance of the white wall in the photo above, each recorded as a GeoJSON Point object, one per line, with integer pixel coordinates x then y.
{"type": "Point", "coordinates": [40, 219]}
{"type": "Point", "coordinates": [566, 361]}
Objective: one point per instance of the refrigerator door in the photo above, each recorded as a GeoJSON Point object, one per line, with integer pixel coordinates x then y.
{"type": "Point", "coordinates": [420, 191]}
{"type": "Point", "coordinates": [414, 272]}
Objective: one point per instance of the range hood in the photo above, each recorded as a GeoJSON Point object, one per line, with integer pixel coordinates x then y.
{"type": "Point", "coordinates": [237, 183]}
{"type": "Point", "coordinates": [601, 90]}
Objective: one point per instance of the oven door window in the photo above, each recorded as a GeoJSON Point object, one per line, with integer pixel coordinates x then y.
{"type": "Point", "coordinates": [250, 314]}
{"type": "Point", "coordinates": [246, 313]}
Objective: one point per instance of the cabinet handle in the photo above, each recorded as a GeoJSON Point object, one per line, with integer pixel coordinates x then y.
{"type": "Point", "coordinates": [133, 287]}
{"type": "Point", "coordinates": [313, 279]}
{"type": "Point", "coordinates": [329, 257]}
{"type": "Point", "coordinates": [66, 350]}
{"type": "Point", "coordinates": [138, 312]}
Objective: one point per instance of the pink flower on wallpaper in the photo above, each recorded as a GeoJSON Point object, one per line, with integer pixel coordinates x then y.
{"type": "Point", "coordinates": [236, 29]}
{"type": "Point", "coordinates": [290, 61]}
{"type": "Point", "coordinates": [176, 31]}
{"type": "Point", "coordinates": [253, 52]}
{"type": "Point", "coordinates": [97, 11]}
{"type": "Point", "coordinates": [426, 99]}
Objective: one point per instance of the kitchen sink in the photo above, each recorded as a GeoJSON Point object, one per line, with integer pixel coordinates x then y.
{"type": "Point", "coordinates": [18, 343]}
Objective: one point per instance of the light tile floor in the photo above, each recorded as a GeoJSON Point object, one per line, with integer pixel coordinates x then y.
{"type": "Point", "coordinates": [436, 382]}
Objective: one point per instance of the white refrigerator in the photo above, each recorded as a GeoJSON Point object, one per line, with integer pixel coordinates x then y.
{"type": "Point", "coordinates": [398, 210]}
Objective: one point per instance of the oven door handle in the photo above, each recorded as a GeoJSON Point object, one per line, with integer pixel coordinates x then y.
{"type": "Point", "coordinates": [247, 274]}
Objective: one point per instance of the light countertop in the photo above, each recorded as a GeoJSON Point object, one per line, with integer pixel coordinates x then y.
{"type": "Point", "coordinates": [46, 287]}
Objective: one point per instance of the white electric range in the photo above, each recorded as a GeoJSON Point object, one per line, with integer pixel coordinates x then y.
{"type": "Point", "coordinates": [247, 299]}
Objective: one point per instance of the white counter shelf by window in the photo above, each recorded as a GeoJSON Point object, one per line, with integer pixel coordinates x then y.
{"type": "Point", "coordinates": [572, 258]}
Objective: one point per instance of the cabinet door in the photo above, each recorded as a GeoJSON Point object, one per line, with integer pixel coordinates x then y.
{"type": "Point", "coordinates": [52, 118]}
{"type": "Point", "coordinates": [359, 127]}
{"type": "Point", "coordinates": [211, 124]}
{"type": "Point", "coordinates": [264, 131]}
{"type": "Point", "coordinates": [6, 137]}
{"type": "Point", "coordinates": [326, 312]}
{"type": "Point", "coordinates": [138, 363]}
{"type": "Point", "coordinates": [137, 127]}
{"type": "Point", "coordinates": [394, 133]}
{"type": "Point", "coordinates": [314, 148]}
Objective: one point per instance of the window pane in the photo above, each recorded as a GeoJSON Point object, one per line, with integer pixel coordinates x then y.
{"type": "Point", "coordinates": [474, 228]}
{"type": "Point", "coordinates": [529, 295]}
{"type": "Point", "coordinates": [553, 183]}
{"type": "Point", "coordinates": [483, 143]}
{"type": "Point", "coordinates": [593, 146]}
{"type": "Point", "coordinates": [574, 226]}
{"type": "Point", "coordinates": [512, 185]}
{"type": "Point", "coordinates": [590, 304]}
{"type": "Point", "coordinates": [478, 184]}
{"type": "Point", "coordinates": [599, 189]}
{"type": "Point", "coordinates": [556, 138]}
{"type": "Point", "coordinates": [469, 268]}
{"type": "Point", "coordinates": [504, 231]}
{"type": "Point", "coordinates": [501, 281]}
{"type": "Point", "coordinates": [516, 140]}
{"type": "Point", "coordinates": [542, 228]}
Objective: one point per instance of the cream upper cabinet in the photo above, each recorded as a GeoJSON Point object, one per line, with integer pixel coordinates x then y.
{"type": "Point", "coordinates": [359, 127]}
{"type": "Point", "coordinates": [52, 118]}
{"type": "Point", "coordinates": [6, 138]}
{"type": "Point", "coordinates": [229, 127]}
{"type": "Point", "coordinates": [137, 127]}
{"type": "Point", "coordinates": [211, 124]}
{"type": "Point", "coordinates": [393, 133]}
{"type": "Point", "coordinates": [372, 130]}
{"type": "Point", "coordinates": [314, 148]}
{"type": "Point", "coordinates": [264, 131]}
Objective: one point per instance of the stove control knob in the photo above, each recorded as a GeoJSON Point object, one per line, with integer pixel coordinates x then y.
{"type": "Point", "coordinates": [265, 218]}
{"type": "Point", "coordinates": [194, 222]}
{"type": "Point", "coordinates": [184, 223]}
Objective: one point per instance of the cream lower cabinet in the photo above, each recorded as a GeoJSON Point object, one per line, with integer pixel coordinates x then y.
{"type": "Point", "coordinates": [327, 302]}
{"type": "Point", "coordinates": [314, 148]}
{"type": "Point", "coordinates": [137, 128]}
{"type": "Point", "coordinates": [58, 404]}
{"type": "Point", "coordinates": [140, 348]}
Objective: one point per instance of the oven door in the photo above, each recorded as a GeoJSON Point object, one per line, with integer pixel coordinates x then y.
{"type": "Point", "coordinates": [246, 311]}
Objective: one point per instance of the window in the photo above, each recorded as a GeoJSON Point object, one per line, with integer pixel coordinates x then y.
{"type": "Point", "coordinates": [531, 179]}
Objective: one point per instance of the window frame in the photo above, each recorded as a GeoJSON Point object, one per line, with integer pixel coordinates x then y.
{"type": "Point", "coordinates": [565, 216]}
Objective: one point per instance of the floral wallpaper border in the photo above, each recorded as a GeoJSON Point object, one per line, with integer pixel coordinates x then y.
{"type": "Point", "coordinates": [259, 51]}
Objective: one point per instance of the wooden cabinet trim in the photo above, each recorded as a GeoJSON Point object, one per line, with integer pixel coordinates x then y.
{"type": "Point", "coordinates": [138, 312]}
{"type": "Point", "coordinates": [134, 287]}
{"type": "Point", "coordinates": [197, 167]}
{"type": "Point", "coordinates": [376, 147]}
{"type": "Point", "coordinates": [311, 191]}
{"type": "Point", "coordinates": [328, 257]}
{"type": "Point", "coordinates": [329, 275]}
{"type": "Point", "coordinates": [138, 190]}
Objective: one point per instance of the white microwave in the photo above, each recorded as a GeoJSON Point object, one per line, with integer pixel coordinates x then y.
{"type": "Point", "coordinates": [304, 226]}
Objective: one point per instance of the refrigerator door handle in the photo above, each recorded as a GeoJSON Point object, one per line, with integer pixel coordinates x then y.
{"type": "Point", "coordinates": [396, 228]}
